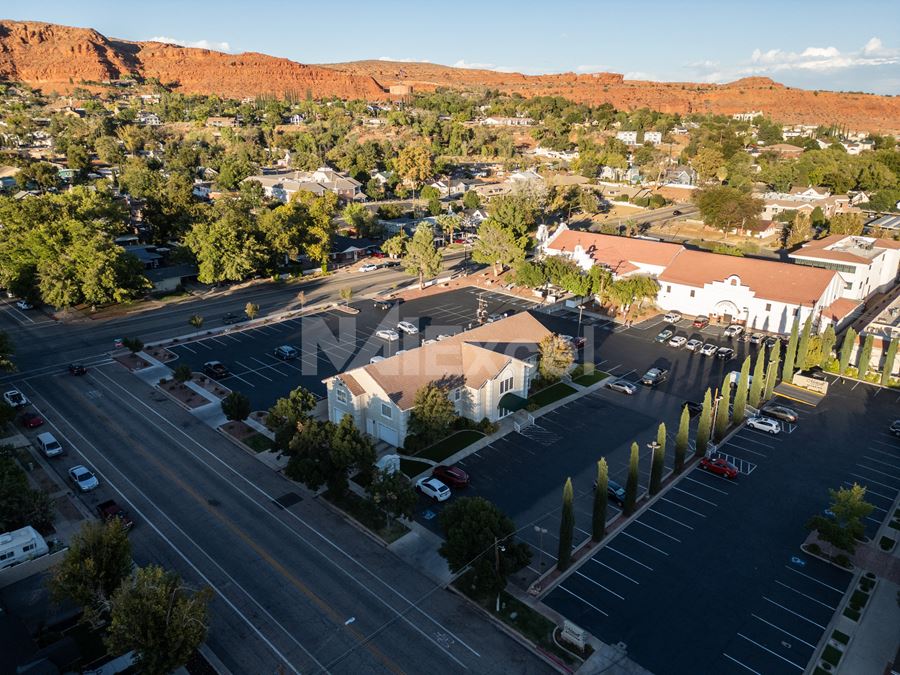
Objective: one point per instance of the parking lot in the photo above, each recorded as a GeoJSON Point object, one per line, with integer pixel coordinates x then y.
{"type": "Point", "coordinates": [330, 342]}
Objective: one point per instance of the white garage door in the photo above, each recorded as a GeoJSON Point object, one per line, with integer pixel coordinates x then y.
{"type": "Point", "coordinates": [387, 434]}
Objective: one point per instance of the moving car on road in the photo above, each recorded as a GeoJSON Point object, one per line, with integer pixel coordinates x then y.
{"type": "Point", "coordinates": [708, 349]}
{"type": "Point", "coordinates": [766, 424]}
{"type": "Point", "coordinates": [385, 305]}
{"type": "Point", "coordinates": [432, 487]}
{"type": "Point", "coordinates": [407, 327]}
{"type": "Point", "coordinates": [655, 376]}
{"type": "Point", "coordinates": [672, 317]}
{"type": "Point", "coordinates": [286, 352]}
{"type": "Point", "coordinates": [216, 370]}
{"type": "Point", "coordinates": [623, 386]}
{"type": "Point", "coordinates": [720, 467]}
{"type": "Point", "coordinates": [49, 445]}
{"type": "Point", "coordinates": [77, 369]}
{"type": "Point", "coordinates": [693, 345]}
{"type": "Point", "coordinates": [450, 475]}
{"type": "Point", "coordinates": [677, 341]}
{"type": "Point", "coordinates": [664, 336]}
{"type": "Point", "coordinates": [230, 317]}
{"type": "Point", "coordinates": [782, 413]}
{"type": "Point", "coordinates": [83, 479]}
{"type": "Point", "coordinates": [387, 334]}
{"type": "Point", "coordinates": [15, 398]}
{"type": "Point", "coordinates": [701, 321]}
{"type": "Point", "coordinates": [110, 510]}
{"type": "Point", "coordinates": [31, 420]}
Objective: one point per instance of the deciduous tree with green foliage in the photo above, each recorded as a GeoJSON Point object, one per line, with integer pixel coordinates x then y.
{"type": "Point", "coordinates": [157, 616]}
{"type": "Point", "coordinates": [481, 537]}
{"type": "Point", "coordinates": [758, 379]}
{"type": "Point", "coordinates": [182, 373]}
{"type": "Point", "coordinates": [415, 164]}
{"type": "Point", "coordinates": [726, 208]}
{"type": "Point", "coordinates": [846, 350]}
{"type": "Point", "coordinates": [846, 223]}
{"type": "Point", "coordinates": [681, 440]}
{"type": "Point", "coordinates": [556, 357]}
{"type": "Point", "coordinates": [496, 246]}
{"type": "Point", "coordinates": [471, 200]}
{"type": "Point", "coordinates": [392, 492]}
{"type": "Point", "coordinates": [601, 501]}
{"type": "Point", "coordinates": [433, 413]}
{"type": "Point", "coordinates": [631, 484]}
{"type": "Point", "coordinates": [422, 259]}
{"type": "Point", "coordinates": [566, 528]}
{"type": "Point", "coordinates": [843, 527]}
{"type": "Point", "coordinates": [723, 412]}
{"type": "Point", "coordinates": [236, 406]}
{"type": "Point", "coordinates": [324, 453]}
{"type": "Point", "coordinates": [132, 344]}
{"type": "Point", "coordinates": [287, 413]}
{"type": "Point", "coordinates": [703, 425]}
{"type": "Point", "coordinates": [96, 563]}
{"type": "Point", "coordinates": [657, 465]}
{"type": "Point", "coordinates": [20, 505]}
{"type": "Point", "coordinates": [889, 357]}
{"type": "Point", "coordinates": [226, 246]}
{"type": "Point", "coordinates": [251, 309]}
{"type": "Point", "coordinates": [740, 396]}
{"type": "Point", "coordinates": [865, 355]}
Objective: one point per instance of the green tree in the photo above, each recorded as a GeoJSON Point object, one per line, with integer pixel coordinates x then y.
{"type": "Point", "coordinates": [846, 223]}
{"type": "Point", "coordinates": [758, 380]}
{"type": "Point", "coordinates": [601, 500]}
{"type": "Point", "coordinates": [324, 453]}
{"type": "Point", "coordinates": [251, 310]}
{"type": "Point", "coordinates": [96, 563]}
{"type": "Point", "coordinates": [480, 537]}
{"type": "Point", "coordinates": [471, 200]}
{"type": "Point", "coordinates": [7, 349]}
{"type": "Point", "coordinates": [496, 246]}
{"type": "Point", "coordinates": [182, 372]}
{"type": "Point", "coordinates": [723, 411]}
{"type": "Point", "coordinates": [392, 492]}
{"type": "Point", "coordinates": [422, 259]}
{"type": "Point", "coordinates": [196, 321]}
{"type": "Point", "coordinates": [846, 350]}
{"type": "Point", "coordinates": [843, 527]}
{"type": "Point", "coordinates": [772, 370]}
{"type": "Point", "coordinates": [346, 294]}
{"type": "Point", "coordinates": [829, 339]}
{"type": "Point", "coordinates": [20, 505]}
{"type": "Point", "coordinates": [681, 440]}
{"type": "Point", "coordinates": [155, 615]}
{"type": "Point", "coordinates": [556, 357]}
{"type": "Point", "coordinates": [803, 344]}
{"type": "Point", "coordinates": [658, 462]}
{"type": "Point", "coordinates": [889, 357]}
{"type": "Point", "coordinates": [134, 345]}
{"type": "Point", "coordinates": [703, 425]}
{"type": "Point", "coordinates": [361, 219]}
{"type": "Point", "coordinates": [531, 275]}
{"type": "Point", "coordinates": [396, 245]}
{"type": "Point", "coordinates": [566, 528]}
{"type": "Point", "coordinates": [433, 413]}
{"type": "Point", "coordinates": [740, 396]}
{"type": "Point", "coordinates": [287, 412]}
{"type": "Point", "coordinates": [865, 355]}
{"type": "Point", "coordinates": [707, 162]}
{"type": "Point", "coordinates": [225, 246]}
{"type": "Point", "coordinates": [414, 163]}
{"type": "Point", "coordinates": [631, 485]}
{"type": "Point", "coordinates": [78, 159]}
{"type": "Point", "coordinates": [236, 406]}
{"type": "Point", "coordinates": [320, 227]}
{"type": "Point", "coordinates": [515, 213]}
{"type": "Point", "coordinates": [725, 208]}
{"type": "Point", "coordinates": [449, 224]}
{"type": "Point", "coordinates": [787, 369]}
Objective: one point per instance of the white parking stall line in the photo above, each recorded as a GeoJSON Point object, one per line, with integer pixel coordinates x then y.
{"type": "Point", "coordinates": [753, 440]}
{"type": "Point", "coordinates": [790, 611]}
{"type": "Point", "coordinates": [218, 341]}
{"type": "Point", "coordinates": [660, 513]}
{"type": "Point", "coordinates": [869, 491]}
{"type": "Point", "coordinates": [883, 473]}
{"type": "Point", "coordinates": [575, 595]}
{"type": "Point", "coordinates": [874, 520]}
{"type": "Point", "coordinates": [890, 445]}
{"type": "Point", "coordinates": [665, 534]}
{"type": "Point", "coordinates": [229, 336]}
{"type": "Point", "coordinates": [869, 480]}
{"type": "Point", "coordinates": [732, 444]}
{"type": "Point", "coordinates": [782, 630]}
{"type": "Point", "coordinates": [666, 499]}
{"type": "Point", "coordinates": [613, 569]}
{"type": "Point", "coordinates": [771, 652]}
{"type": "Point", "coordinates": [256, 372]}
{"type": "Point", "coordinates": [708, 487]}
{"type": "Point", "coordinates": [238, 377]}
{"type": "Point", "coordinates": [202, 343]}
{"type": "Point", "coordinates": [893, 455]}
{"type": "Point", "coordinates": [192, 351]}
{"type": "Point", "coordinates": [583, 531]}
{"type": "Point", "coordinates": [821, 583]}
{"type": "Point", "coordinates": [638, 562]}
{"type": "Point", "coordinates": [585, 576]}
{"type": "Point", "coordinates": [691, 494]}
{"type": "Point", "coordinates": [270, 365]}
{"type": "Point", "coordinates": [742, 665]}
{"type": "Point", "coordinates": [878, 461]}
{"type": "Point", "coordinates": [808, 597]}
{"type": "Point", "coordinates": [641, 541]}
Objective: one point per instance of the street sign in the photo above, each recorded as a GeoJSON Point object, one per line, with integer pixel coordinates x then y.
{"type": "Point", "coordinates": [573, 634]}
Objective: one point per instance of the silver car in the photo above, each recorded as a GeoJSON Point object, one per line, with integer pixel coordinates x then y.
{"type": "Point", "coordinates": [693, 345]}
{"type": "Point", "coordinates": [83, 479]}
{"type": "Point", "coordinates": [623, 386]}
{"type": "Point", "coordinates": [708, 349]}
{"type": "Point", "coordinates": [766, 424]}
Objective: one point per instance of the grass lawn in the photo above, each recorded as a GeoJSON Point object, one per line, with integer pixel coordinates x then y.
{"type": "Point", "coordinates": [258, 443]}
{"type": "Point", "coordinates": [590, 378]}
{"type": "Point", "coordinates": [368, 515]}
{"type": "Point", "coordinates": [411, 467]}
{"type": "Point", "coordinates": [550, 394]}
{"type": "Point", "coordinates": [450, 445]}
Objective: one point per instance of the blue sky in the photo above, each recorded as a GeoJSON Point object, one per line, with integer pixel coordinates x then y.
{"type": "Point", "coordinates": [822, 44]}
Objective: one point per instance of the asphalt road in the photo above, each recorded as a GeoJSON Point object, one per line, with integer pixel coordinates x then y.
{"type": "Point", "coordinates": [288, 574]}
{"type": "Point", "coordinates": [652, 216]}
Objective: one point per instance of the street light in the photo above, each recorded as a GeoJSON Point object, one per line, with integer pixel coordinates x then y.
{"type": "Point", "coordinates": [541, 532]}
{"type": "Point", "coordinates": [498, 549]}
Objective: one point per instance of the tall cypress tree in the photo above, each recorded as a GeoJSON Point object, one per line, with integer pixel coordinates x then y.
{"type": "Point", "coordinates": [740, 396]}
{"type": "Point", "coordinates": [601, 499]}
{"type": "Point", "coordinates": [889, 358]}
{"type": "Point", "coordinates": [829, 340]}
{"type": "Point", "coordinates": [865, 355]}
{"type": "Point", "coordinates": [772, 370]}
{"type": "Point", "coordinates": [566, 527]}
{"type": "Point", "coordinates": [658, 463]}
{"type": "Point", "coordinates": [803, 345]}
{"type": "Point", "coordinates": [681, 440]}
{"type": "Point", "coordinates": [846, 350]}
{"type": "Point", "coordinates": [631, 485]}
{"type": "Point", "coordinates": [787, 371]}
{"type": "Point", "coordinates": [704, 425]}
{"type": "Point", "coordinates": [723, 412]}
{"type": "Point", "coordinates": [759, 377]}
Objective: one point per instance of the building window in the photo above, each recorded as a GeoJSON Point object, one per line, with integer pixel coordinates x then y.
{"type": "Point", "coordinates": [341, 395]}
{"type": "Point", "coordinates": [668, 288]}
{"type": "Point", "coordinates": [848, 286]}
{"type": "Point", "coordinates": [693, 293]}
{"type": "Point", "coordinates": [385, 410]}
{"type": "Point", "coordinates": [768, 306]}
{"type": "Point", "coordinates": [506, 385]}
{"type": "Point", "coordinates": [734, 282]}
{"type": "Point", "coordinates": [796, 311]}
{"type": "Point", "coordinates": [457, 394]}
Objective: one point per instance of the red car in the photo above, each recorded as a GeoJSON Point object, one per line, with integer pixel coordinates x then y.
{"type": "Point", "coordinates": [31, 420]}
{"type": "Point", "coordinates": [719, 467]}
{"type": "Point", "coordinates": [451, 475]}
{"type": "Point", "coordinates": [701, 322]}
{"type": "Point", "coordinates": [379, 254]}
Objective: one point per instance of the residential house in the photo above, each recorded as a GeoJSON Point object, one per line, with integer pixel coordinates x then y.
{"type": "Point", "coordinates": [220, 122]}
{"type": "Point", "coordinates": [805, 200]}
{"type": "Point", "coordinates": [747, 116]}
{"type": "Point", "coordinates": [653, 137]}
{"type": "Point", "coordinates": [383, 177]}
{"type": "Point", "coordinates": [565, 156]}
{"type": "Point", "coordinates": [680, 175]}
{"type": "Point", "coordinates": [282, 185]}
{"type": "Point", "coordinates": [296, 119]}
{"type": "Point", "coordinates": [486, 371]}
{"type": "Point", "coordinates": [449, 188]}
{"type": "Point", "coordinates": [866, 265]}
{"type": "Point", "coordinates": [785, 150]}
{"type": "Point", "coordinates": [627, 137]}
{"type": "Point", "coordinates": [149, 119]}
{"type": "Point", "coordinates": [350, 249]}
{"type": "Point", "coordinates": [507, 122]}
{"type": "Point", "coordinates": [856, 147]}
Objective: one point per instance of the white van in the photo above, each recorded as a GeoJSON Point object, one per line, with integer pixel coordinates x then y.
{"type": "Point", "coordinates": [21, 545]}
{"type": "Point", "coordinates": [49, 445]}
{"type": "Point", "coordinates": [735, 376]}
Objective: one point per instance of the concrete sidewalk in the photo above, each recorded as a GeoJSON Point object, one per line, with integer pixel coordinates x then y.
{"type": "Point", "coordinates": [874, 643]}
{"type": "Point", "coordinates": [419, 547]}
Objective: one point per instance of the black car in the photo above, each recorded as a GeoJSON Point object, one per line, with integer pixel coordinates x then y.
{"type": "Point", "coordinates": [655, 376]}
{"type": "Point", "coordinates": [724, 353]}
{"type": "Point", "coordinates": [231, 317]}
{"type": "Point", "coordinates": [693, 407]}
{"type": "Point", "coordinates": [676, 212]}
{"type": "Point", "coordinates": [770, 341]}
{"type": "Point", "coordinates": [616, 493]}
{"type": "Point", "coordinates": [387, 304]}
{"type": "Point", "coordinates": [215, 370]}
{"type": "Point", "coordinates": [77, 369]}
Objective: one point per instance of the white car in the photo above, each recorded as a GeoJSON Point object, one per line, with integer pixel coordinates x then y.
{"type": "Point", "coordinates": [387, 334]}
{"type": "Point", "coordinates": [766, 424]}
{"type": "Point", "coordinates": [376, 359]}
{"type": "Point", "coordinates": [15, 398]}
{"type": "Point", "coordinates": [623, 386]}
{"type": "Point", "coordinates": [84, 480]}
{"type": "Point", "coordinates": [672, 317]}
{"type": "Point", "coordinates": [368, 267]}
{"type": "Point", "coordinates": [443, 336]}
{"type": "Point", "coordinates": [24, 304]}
{"type": "Point", "coordinates": [693, 345]}
{"type": "Point", "coordinates": [708, 349]}
{"type": "Point", "coordinates": [733, 331]}
{"type": "Point", "coordinates": [407, 327]}
{"type": "Point", "coordinates": [677, 341]}
{"type": "Point", "coordinates": [432, 487]}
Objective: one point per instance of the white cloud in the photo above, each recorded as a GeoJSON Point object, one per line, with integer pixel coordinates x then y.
{"type": "Point", "coordinates": [462, 63]}
{"type": "Point", "coordinates": [600, 68]}
{"type": "Point", "coordinates": [199, 44]}
{"type": "Point", "coordinates": [819, 59]}
{"type": "Point", "coordinates": [391, 58]}
{"type": "Point", "coordinates": [640, 75]}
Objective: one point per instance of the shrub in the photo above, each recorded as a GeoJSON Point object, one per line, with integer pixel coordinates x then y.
{"type": "Point", "coordinates": [487, 427]}
{"type": "Point", "coordinates": [842, 560]}
{"type": "Point", "coordinates": [815, 549]}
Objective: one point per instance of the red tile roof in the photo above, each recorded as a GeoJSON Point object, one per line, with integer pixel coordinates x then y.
{"type": "Point", "coordinates": [619, 254]}
{"type": "Point", "coordinates": [840, 308]}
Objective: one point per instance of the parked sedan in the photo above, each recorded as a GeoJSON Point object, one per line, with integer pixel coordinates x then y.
{"type": "Point", "coordinates": [31, 420]}
{"type": "Point", "coordinates": [664, 336]}
{"type": "Point", "coordinates": [407, 327]}
{"type": "Point", "coordinates": [215, 369]}
{"type": "Point", "coordinates": [701, 321]}
{"type": "Point", "coordinates": [615, 492]}
{"type": "Point", "coordinates": [385, 305]}
{"type": "Point", "coordinates": [672, 317]}
{"type": "Point", "coordinates": [708, 349]}
{"type": "Point", "coordinates": [782, 413]}
{"type": "Point", "coordinates": [24, 304]}
{"type": "Point", "coordinates": [83, 479]}
{"type": "Point", "coordinates": [387, 334]}
{"type": "Point", "coordinates": [432, 487]}
{"type": "Point", "coordinates": [733, 331]}
{"type": "Point", "coordinates": [15, 398]}
{"type": "Point", "coordinates": [766, 424]}
{"type": "Point", "coordinates": [756, 338]}
{"type": "Point", "coordinates": [720, 467]}
{"type": "Point", "coordinates": [450, 475]}
{"type": "Point", "coordinates": [693, 345]}
{"type": "Point", "coordinates": [286, 352]}
{"type": "Point", "coordinates": [368, 267]}
{"type": "Point", "coordinates": [677, 341]}
{"type": "Point", "coordinates": [623, 386]}
{"type": "Point", "coordinates": [77, 369]}
{"type": "Point", "coordinates": [725, 353]}
{"type": "Point", "coordinates": [895, 428]}
{"type": "Point", "coordinates": [654, 376]}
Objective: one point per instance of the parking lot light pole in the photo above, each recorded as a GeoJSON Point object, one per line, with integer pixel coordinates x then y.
{"type": "Point", "coordinates": [541, 532]}
{"type": "Point", "coordinates": [498, 549]}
